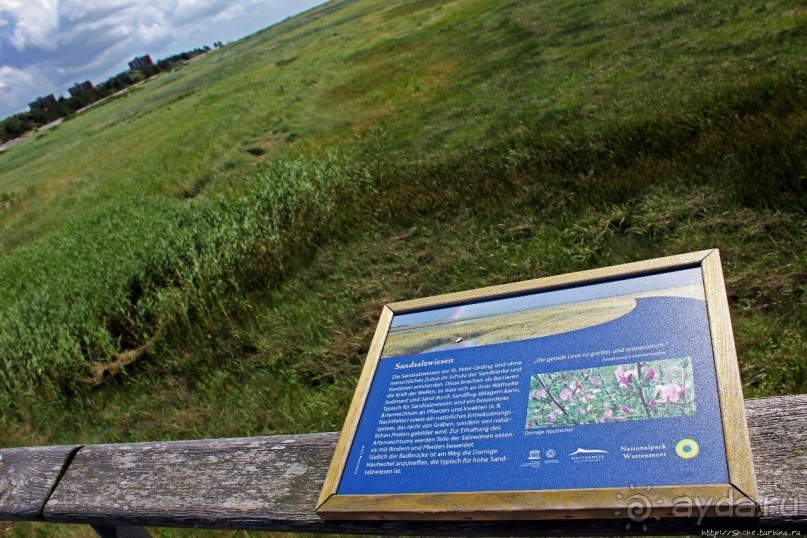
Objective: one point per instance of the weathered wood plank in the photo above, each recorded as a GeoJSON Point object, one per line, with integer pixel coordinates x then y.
{"type": "Point", "coordinates": [220, 483]}
{"type": "Point", "coordinates": [778, 430]}
{"type": "Point", "coordinates": [27, 477]}
{"type": "Point", "coordinates": [272, 483]}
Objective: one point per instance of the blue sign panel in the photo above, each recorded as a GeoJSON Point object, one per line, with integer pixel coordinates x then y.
{"type": "Point", "coordinates": [607, 385]}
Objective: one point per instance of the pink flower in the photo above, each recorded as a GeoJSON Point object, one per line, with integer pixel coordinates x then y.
{"type": "Point", "coordinates": [625, 409]}
{"type": "Point", "coordinates": [651, 373]}
{"type": "Point", "coordinates": [607, 414]}
{"type": "Point", "coordinates": [581, 410]}
{"type": "Point", "coordinates": [565, 394]}
{"type": "Point", "coordinates": [624, 377]}
{"type": "Point", "coordinates": [538, 394]}
{"type": "Point", "coordinates": [553, 416]}
{"type": "Point", "coordinates": [606, 404]}
{"type": "Point", "coordinates": [670, 393]}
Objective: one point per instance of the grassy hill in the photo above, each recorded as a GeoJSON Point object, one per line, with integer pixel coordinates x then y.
{"type": "Point", "coordinates": [206, 255]}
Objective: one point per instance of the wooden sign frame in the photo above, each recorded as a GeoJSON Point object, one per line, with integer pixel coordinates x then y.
{"type": "Point", "coordinates": [738, 496]}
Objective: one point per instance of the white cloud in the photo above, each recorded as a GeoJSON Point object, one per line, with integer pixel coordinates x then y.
{"type": "Point", "coordinates": [47, 45]}
{"type": "Point", "coordinates": [192, 10]}
{"type": "Point", "coordinates": [17, 85]}
{"type": "Point", "coordinates": [35, 22]}
{"type": "Point", "coordinates": [9, 75]}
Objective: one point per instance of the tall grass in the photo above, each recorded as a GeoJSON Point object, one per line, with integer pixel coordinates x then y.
{"type": "Point", "coordinates": [147, 267]}
{"type": "Point", "coordinates": [210, 236]}
{"type": "Point", "coordinates": [86, 301]}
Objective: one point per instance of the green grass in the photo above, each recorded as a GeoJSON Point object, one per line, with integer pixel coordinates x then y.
{"type": "Point", "coordinates": [207, 255]}
{"type": "Point", "coordinates": [138, 269]}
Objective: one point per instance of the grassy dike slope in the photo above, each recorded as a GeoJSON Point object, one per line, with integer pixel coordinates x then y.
{"type": "Point", "coordinates": [207, 255]}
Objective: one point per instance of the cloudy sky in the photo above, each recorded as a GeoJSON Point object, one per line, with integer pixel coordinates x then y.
{"type": "Point", "coordinates": [48, 45]}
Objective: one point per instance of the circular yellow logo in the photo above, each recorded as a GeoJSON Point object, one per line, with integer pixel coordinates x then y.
{"type": "Point", "coordinates": [687, 448]}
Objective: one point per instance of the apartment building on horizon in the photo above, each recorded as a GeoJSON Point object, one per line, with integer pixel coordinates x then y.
{"type": "Point", "coordinates": [80, 87]}
{"type": "Point", "coordinates": [43, 102]}
{"type": "Point", "coordinates": [140, 62]}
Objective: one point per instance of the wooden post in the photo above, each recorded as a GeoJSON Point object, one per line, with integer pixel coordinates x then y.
{"type": "Point", "coordinates": [121, 531]}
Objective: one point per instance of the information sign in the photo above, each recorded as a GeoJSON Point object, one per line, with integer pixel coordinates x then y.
{"type": "Point", "coordinates": [572, 396]}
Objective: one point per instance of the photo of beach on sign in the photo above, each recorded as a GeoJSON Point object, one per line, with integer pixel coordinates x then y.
{"type": "Point", "coordinates": [534, 315]}
{"type": "Point", "coordinates": [631, 391]}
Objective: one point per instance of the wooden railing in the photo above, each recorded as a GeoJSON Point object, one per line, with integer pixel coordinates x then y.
{"type": "Point", "coordinates": [272, 483]}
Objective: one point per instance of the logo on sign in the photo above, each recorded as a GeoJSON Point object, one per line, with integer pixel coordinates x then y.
{"type": "Point", "coordinates": [687, 448]}
{"type": "Point", "coordinates": [535, 455]}
{"type": "Point", "coordinates": [585, 455]}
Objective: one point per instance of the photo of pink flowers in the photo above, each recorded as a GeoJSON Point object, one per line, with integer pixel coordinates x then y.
{"type": "Point", "coordinates": [633, 391]}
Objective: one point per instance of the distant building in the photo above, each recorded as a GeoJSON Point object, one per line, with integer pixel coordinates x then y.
{"type": "Point", "coordinates": [43, 102]}
{"type": "Point", "coordinates": [80, 87]}
{"type": "Point", "coordinates": [140, 62]}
